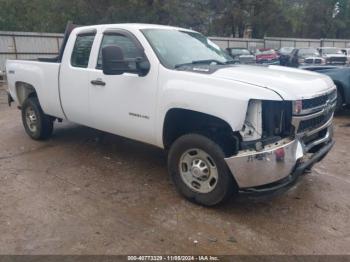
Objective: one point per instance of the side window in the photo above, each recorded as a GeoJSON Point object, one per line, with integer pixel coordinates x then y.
{"type": "Point", "coordinates": [81, 51]}
{"type": "Point", "coordinates": [128, 46]}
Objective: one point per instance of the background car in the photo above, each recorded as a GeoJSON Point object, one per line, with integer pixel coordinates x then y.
{"type": "Point", "coordinates": [266, 56]}
{"type": "Point", "coordinates": [333, 55]}
{"type": "Point", "coordinates": [241, 55]}
{"type": "Point", "coordinates": [284, 54]}
{"type": "Point", "coordinates": [346, 51]}
{"type": "Point", "coordinates": [305, 56]}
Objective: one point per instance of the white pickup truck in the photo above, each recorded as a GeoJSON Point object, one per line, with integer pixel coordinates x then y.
{"type": "Point", "coordinates": [227, 128]}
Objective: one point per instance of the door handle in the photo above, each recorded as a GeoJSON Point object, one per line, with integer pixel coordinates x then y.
{"type": "Point", "coordinates": [98, 83]}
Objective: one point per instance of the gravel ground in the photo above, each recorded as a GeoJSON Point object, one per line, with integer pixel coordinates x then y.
{"type": "Point", "coordinates": [87, 192]}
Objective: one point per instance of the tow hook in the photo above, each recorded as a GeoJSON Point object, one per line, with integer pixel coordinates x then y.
{"type": "Point", "coordinates": [9, 99]}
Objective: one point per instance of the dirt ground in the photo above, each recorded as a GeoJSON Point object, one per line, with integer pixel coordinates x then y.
{"type": "Point", "coordinates": [86, 192]}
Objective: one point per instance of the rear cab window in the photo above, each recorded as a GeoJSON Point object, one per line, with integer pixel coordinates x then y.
{"type": "Point", "coordinates": [82, 50]}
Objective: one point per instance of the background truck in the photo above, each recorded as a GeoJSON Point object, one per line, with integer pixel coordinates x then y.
{"type": "Point", "coordinates": [227, 128]}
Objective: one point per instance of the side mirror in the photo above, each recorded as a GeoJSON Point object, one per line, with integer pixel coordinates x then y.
{"type": "Point", "coordinates": [114, 63]}
{"type": "Point", "coordinates": [143, 66]}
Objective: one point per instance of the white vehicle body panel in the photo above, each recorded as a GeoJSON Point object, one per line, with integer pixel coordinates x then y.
{"type": "Point", "coordinates": [43, 76]}
{"type": "Point", "coordinates": [291, 84]}
{"type": "Point", "coordinates": [223, 98]}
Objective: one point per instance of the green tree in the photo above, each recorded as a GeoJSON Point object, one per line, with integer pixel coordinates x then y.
{"type": "Point", "coordinates": [287, 18]}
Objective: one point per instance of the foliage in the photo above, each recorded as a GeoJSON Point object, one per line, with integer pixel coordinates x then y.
{"type": "Point", "coordinates": [288, 18]}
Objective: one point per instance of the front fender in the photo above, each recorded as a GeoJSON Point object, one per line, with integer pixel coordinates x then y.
{"type": "Point", "coordinates": [225, 99]}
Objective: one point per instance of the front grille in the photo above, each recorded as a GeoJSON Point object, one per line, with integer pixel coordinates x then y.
{"type": "Point", "coordinates": [337, 60]}
{"type": "Point", "coordinates": [318, 101]}
{"type": "Point", "coordinates": [309, 139]}
{"type": "Point", "coordinates": [313, 61]}
{"type": "Point", "coordinates": [315, 102]}
{"type": "Point", "coordinates": [324, 102]}
{"type": "Point", "coordinates": [314, 123]}
{"type": "Point", "coordinates": [332, 96]}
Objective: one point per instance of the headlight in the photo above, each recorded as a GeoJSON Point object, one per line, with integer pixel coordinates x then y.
{"type": "Point", "coordinates": [268, 119]}
{"type": "Point", "coordinates": [297, 107]}
{"type": "Point", "coordinates": [277, 118]}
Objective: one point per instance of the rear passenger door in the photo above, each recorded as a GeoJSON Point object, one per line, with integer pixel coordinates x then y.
{"type": "Point", "coordinates": [73, 79]}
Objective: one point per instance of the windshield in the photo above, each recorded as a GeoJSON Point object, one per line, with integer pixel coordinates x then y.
{"type": "Point", "coordinates": [240, 52]}
{"type": "Point", "coordinates": [308, 52]}
{"type": "Point", "coordinates": [331, 51]}
{"type": "Point", "coordinates": [174, 47]}
{"type": "Point", "coordinates": [286, 50]}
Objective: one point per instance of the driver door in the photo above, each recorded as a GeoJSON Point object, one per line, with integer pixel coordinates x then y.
{"type": "Point", "coordinates": [123, 104]}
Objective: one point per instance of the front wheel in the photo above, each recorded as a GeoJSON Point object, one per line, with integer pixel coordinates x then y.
{"type": "Point", "coordinates": [198, 169]}
{"type": "Point", "coordinates": [37, 124]}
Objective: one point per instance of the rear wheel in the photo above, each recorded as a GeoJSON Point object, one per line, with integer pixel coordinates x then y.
{"type": "Point", "coordinates": [199, 171]}
{"type": "Point", "coordinates": [37, 125]}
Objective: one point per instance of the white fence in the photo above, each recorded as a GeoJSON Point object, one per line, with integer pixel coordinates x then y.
{"type": "Point", "coordinates": [21, 45]}
{"type": "Point", "coordinates": [278, 42]}
{"type": "Point", "coordinates": [24, 45]}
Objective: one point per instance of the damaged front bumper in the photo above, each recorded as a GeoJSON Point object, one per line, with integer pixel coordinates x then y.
{"type": "Point", "coordinates": [279, 164]}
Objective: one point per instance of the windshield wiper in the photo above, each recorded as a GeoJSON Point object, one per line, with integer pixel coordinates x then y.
{"type": "Point", "coordinates": [197, 62]}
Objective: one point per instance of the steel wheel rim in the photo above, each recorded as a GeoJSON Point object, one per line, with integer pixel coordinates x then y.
{"type": "Point", "coordinates": [198, 171]}
{"type": "Point", "coordinates": [31, 119]}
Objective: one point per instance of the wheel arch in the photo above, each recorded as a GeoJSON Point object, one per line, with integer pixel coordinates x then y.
{"type": "Point", "coordinates": [344, 90]}
{"type": "Point", "coordinates": [23, 91]}
{"type": "Point", "coordinates": [179, 121]}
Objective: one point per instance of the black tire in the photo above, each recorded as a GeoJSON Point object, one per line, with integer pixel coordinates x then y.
{"type": "Point", "coordinates": [43, 123]}
{"type": "Point", "coordinates": [340, 101]}
{"type": "Point", "coordinates": [225, 186]}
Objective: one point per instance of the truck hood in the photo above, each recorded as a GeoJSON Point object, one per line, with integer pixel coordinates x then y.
{"type": "Point", "coordinates": [289, 83]}
{"type": "Point", "coordinates": [334, 55]}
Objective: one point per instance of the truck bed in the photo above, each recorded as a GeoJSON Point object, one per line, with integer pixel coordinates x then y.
{"type": "Point", "coordinates": [43, 75]}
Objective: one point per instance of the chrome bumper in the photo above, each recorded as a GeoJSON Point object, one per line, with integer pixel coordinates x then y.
{"type": "Point", "coordinates": [278, 161]}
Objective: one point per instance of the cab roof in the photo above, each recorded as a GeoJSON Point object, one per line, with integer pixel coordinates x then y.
{"type": "Point", "coordinates": [133, 26]}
